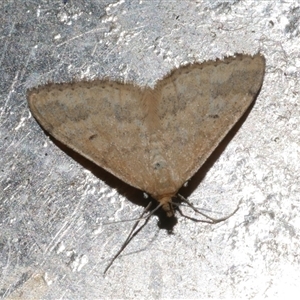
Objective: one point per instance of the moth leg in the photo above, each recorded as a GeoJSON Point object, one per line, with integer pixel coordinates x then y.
{"type": "Point", "coordinates": [209, 220]}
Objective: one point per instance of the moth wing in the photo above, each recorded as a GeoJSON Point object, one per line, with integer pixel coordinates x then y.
{"type": "Point", "coordinates": [101, 120]}
{"type": "Point", "coordinates": [198, 106]}
{"type": "Point", "coordinates": [157, 139]}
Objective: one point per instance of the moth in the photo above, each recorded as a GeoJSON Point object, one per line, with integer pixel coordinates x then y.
{"type": "Point", "coordinates": [154, 139]}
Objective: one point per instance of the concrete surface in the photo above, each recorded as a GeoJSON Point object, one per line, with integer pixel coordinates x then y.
{"type": "Point", "coordinates": [54, 207]}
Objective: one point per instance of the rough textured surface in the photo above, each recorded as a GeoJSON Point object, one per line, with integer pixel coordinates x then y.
{"type": "Point", "coordinates": [54, 238]}
{"type": "Point", "coordinates": [153, 139]}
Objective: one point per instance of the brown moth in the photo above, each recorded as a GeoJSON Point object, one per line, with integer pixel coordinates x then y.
{"type": "Point", "coordinates": [153, 139]}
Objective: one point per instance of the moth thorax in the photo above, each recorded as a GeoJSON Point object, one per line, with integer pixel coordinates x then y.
{"type": "Point", "coordinates": [166, 204]}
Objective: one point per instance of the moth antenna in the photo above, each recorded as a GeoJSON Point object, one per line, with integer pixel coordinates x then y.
{"type": "Point", "coordinates": [134, 232]}
{"type": "Point", "coordinates": [210, 219]}
{"type": "Point", "coordinates": [135, 219]}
